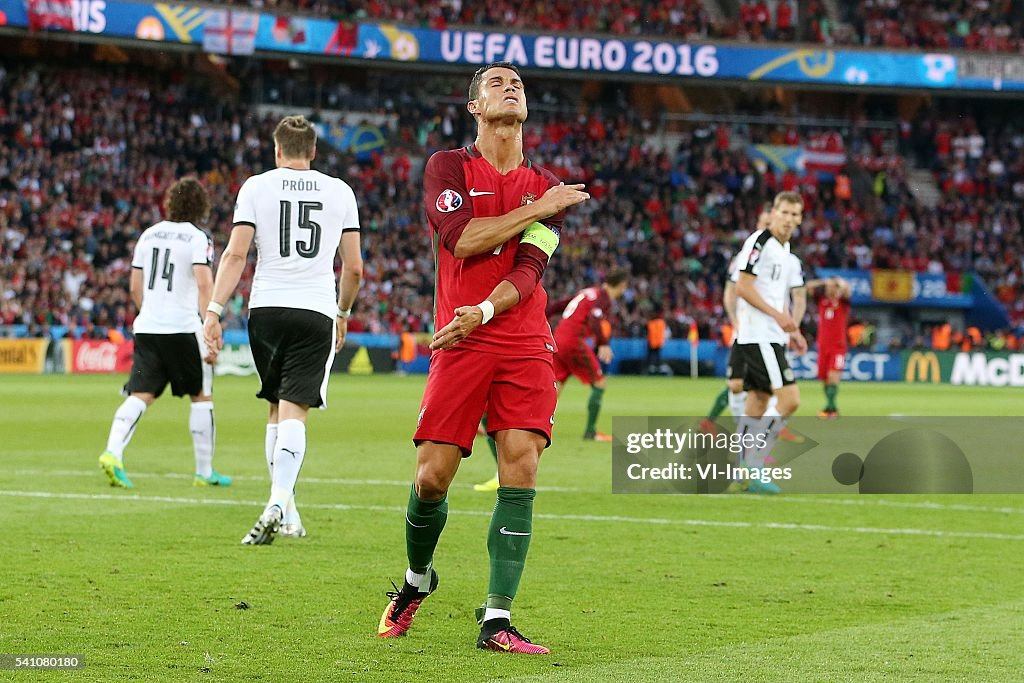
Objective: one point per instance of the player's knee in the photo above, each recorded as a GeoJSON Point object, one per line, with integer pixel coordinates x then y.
{"type": "Point", "coordinates": [146, 398]}
{"type": "Point", "coordinates": [600, 383]}
{"type": "Point", "coordinates": [789, 403]}
{"type": "Point", "coordinates": [430, 485]}
{"type": "Point", "coordinates": [519, 472]}
{"type": "Point", "coordinates": [735, 386]}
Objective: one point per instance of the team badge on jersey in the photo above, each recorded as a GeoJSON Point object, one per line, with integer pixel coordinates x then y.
{"type": "Point", "coordinates": [448, 201]}
{"type": "Point", "coordinates": [528, 198]}
{"type": "Point", "coordinates": [755, 254]}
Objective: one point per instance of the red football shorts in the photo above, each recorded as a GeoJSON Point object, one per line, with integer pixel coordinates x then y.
{"type": "Point", "coordinates": [581, 362]}
{"type": "Point", "coordinates": [517, 393]}
{"type": "Point", "coordinates": [829, 360]}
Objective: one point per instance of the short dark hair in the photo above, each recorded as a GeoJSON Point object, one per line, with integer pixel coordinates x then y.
{"type": "Point", "coordinates": [474, 83]}
{"type": "Point", "coordinates": [295, 137]}
{"type": "Point", "coordinates": [186, 201]}
{"type": "Point", "coordinates": [616, 276]}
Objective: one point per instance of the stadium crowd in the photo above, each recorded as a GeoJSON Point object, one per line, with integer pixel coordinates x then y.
{"type": "Point", "coordinates": [979, 25]}
{"type": "Point", "coordinates": [85, 157]}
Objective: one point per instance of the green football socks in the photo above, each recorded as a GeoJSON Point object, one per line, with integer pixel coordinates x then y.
{"type": "Point", "coordinates": [593, 408]}
{"type": "Point", "coordinates": [424, 522]}
{"type": "Point", "coordinates": [721, 402]}
{"type": "Point", "coordinates": [508, 540]}
{"type": "Point", "coordinates": [831, 390]}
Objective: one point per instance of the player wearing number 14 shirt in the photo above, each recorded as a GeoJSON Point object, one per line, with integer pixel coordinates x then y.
{"type": "Point", "coordinates": [298, 217]}
{"type": "Point", "coordinates": [170, 283]}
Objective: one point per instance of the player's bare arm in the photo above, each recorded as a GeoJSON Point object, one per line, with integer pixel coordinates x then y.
{"type": "Point", "coordinates": [799, 297]}
{"type": "Point", "coordinates": [745, 288]}
{"type": "Point", "coordinates": [135, 287]}
{"type": "Point", "coordinates": [537, 245]}
{"type": "Point", "coordinates": [729, 302]}
{"type": "Point", "coordinates": [482, 235]}
{"type": "Point", "coordinates": [468, 318]}
{"type": "Point", "coordinates": [204, 284]}
{"type": "Point", "coordinates": [232, 263]}
{"type": "Point", "coordinates": [349, 282]}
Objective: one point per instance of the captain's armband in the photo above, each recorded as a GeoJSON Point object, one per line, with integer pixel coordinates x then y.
{"type": "Point", "coordinates": [542, 237]}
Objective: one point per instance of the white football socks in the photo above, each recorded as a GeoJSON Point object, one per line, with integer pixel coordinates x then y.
{"type": "Point", "coordinates": [288, 456]}
{"type": "Point", "coordinates": [123, 426]}
{"type": "Point", "coordinates": [204, 436]}
{"type": "Point", "coordinates": [269, 445]}
{"type": "Point", "coordinates": [291, 513]}
{"type": "Point", "coordinates": [737, 404]}
{"type": "Point", "coordinates": [493, 613]}
{"type": "Point", "coordinates": [413, 578]}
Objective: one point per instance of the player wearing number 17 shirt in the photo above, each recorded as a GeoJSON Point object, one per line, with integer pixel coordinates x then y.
{"type": "Point", "coordinates": [297, 318]}
{"type": "Point", "coordinates": [495, 219]}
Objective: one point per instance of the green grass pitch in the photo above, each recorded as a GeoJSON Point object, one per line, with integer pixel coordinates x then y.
{"type": "Point", "coordinates": [145, 583]}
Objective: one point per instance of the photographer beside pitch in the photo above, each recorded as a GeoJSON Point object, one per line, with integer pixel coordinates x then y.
{"type": "Point", "coordinates": [495, 218]}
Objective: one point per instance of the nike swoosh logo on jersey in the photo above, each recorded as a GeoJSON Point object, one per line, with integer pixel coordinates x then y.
{"type": "Point", "coordinates": [474, 193]}
{"type": "Point", "coordinates": [505, 531]}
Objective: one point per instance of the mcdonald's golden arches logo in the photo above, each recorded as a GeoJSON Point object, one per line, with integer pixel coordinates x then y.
{"type": "Point", "coordinates": [923, 366]}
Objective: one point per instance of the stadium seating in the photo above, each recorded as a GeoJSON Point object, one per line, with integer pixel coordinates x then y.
{"type": "Point", "coordinates": [79, 179]}
{"type": "Point", "coordinates": [979, 25]}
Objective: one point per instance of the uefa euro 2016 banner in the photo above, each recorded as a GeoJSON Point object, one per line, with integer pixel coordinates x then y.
{"type": "Point", "coordinates": [241, 32]}
{"type": "Point", "coordinates": [873, 287]}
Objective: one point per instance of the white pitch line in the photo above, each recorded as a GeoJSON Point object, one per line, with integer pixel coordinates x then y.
{"type": "Point", "coordinates": [940, 533]}
{"type": "Point", "coordinates": [813, 499]}
{"type": "Point", "coordinates": [305, 480]}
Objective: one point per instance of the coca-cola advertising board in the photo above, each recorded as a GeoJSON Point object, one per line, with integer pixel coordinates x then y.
{"type": "Point", "coordinates": [91, 355]}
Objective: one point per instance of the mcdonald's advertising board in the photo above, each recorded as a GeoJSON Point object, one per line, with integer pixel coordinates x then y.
{"type": "Point", "coordinates": [974, 368]}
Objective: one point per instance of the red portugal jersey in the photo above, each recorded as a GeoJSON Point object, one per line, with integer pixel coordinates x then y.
{"type": "Point", "coordinates": [832, 319]}
{"type": "Point", "coordinates": [459, 185]}
{"type": "Point", "coordinates": [581, 317]}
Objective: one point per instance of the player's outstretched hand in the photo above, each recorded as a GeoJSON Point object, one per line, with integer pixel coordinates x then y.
{"type": "Point", "coordinates": [798, 343]}
{"type": "Point", "coordinates": [467, 319]}
{"type": "Point", "coordinates": [561, 196]}
{"type": "Point", "coordinates": [604, 353]}
{"type": "Point", "coordinates": [213, 334]}
{"type": "Point", "coordinates": [342, 325]}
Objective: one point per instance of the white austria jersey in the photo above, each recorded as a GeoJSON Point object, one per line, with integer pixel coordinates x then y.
{"type": "Point", "coordinates": [166, 253]}
{"type": "Point", "coordinates": [776, 271]}
{"type": "Point", "coordinates": [299, 217]}
{"type": "Point", "coordinates": [796, 273]}
{"type": "Point", "coordinates": [734, 271]}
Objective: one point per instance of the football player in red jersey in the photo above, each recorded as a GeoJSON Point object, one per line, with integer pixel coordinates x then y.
{"type": "Point", "coordinates": [581, 317]}
{"type": "Point", "coordinates": [495, 219]}
{"type": "Point", "coordinates": [833, 298]}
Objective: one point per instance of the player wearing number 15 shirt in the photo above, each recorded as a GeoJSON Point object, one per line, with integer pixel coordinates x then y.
{"type": "Point", "coordinates": [298, 218]}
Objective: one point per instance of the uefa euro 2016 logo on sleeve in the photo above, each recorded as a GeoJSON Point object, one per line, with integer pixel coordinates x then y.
{"type": "Point", "coordinates": [449, 201]}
